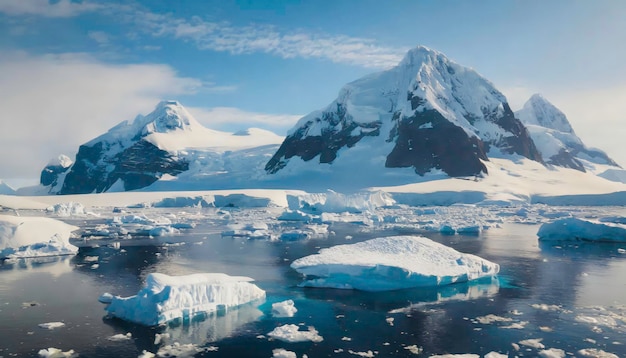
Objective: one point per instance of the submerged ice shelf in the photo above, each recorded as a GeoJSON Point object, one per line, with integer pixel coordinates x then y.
{"type": "Point", "coordinates": [391, 263]}
{"type": "Point", "coordinates": [166, 298]}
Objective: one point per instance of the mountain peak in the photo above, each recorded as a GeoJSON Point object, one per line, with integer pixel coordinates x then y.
{"type": "Point", "coordinates": [166, 117]}
{"type": "Point", "coordinates": [539, 111]}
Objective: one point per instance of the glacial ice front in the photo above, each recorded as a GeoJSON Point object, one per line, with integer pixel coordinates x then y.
{"type": "Point", "coordinates": [34, 236]}
{"type": "Point", "coordinates": [165, 298]}
{"type": "Point", "coordinates": [391, 263]}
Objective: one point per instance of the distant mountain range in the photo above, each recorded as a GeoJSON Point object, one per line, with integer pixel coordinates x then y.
{"type": "Point", "coordinates": [428, 117]}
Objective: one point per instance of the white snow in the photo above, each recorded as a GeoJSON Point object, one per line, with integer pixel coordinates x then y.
{"type": "Point", "coordinates": [552, 353]}
{"type": "Point", "coordinates": [533, 343]}
{"type": "Point", "coordinates": [284, 309]}
{"type": "Point", "coordinates": [582, 229]}
{"type": "Point", "coordinates": [183, 350]}
{"type": "Point", "coordinates": [291, 333]}
{"type": "Point", "coordinates": [22, 236]}
{"type": "Point", "coordinates": [391, 263]}
{"type": "Point", "coordinates": [67, 209]}
{"type": "Point", "coordinates": [121, 337]}
{"type": "Point", "coordinates": [166, 298]}
{"type": "Point", "coordinates": [596, 353]}
{"type": "Point", "coordinates": [51, 325]}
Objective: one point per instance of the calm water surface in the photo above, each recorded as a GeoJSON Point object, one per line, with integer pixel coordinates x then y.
{"type": "Point", "coordinates": [582, 288]}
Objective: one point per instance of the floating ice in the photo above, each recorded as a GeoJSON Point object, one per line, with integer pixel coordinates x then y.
{"type": "Point", "coordinates": [391, 263]}
{"type": "Point", "coordinates": [283, 353]}
{"type": "Point", "coordinates": [290, 333]}
{"type": "Point", "coordinates": [67, 209]}
{"type": "Point", "coordinates": [368, 354]}
{"type": "Point", "coordinates": [496, 355]}
{"type": "Point", "coordinates": [467, 355]}
{"type": "Point", "coordinates": [334, 202]}
{"type": "Point", "coordinates": [56, 353]}
{"type": "Point", "coordinates": [582, 229]}
{"type": "Point", "coordinates": [596, 353]}
{"type": "Point", "coordinates": [51, 325]}
{"type": "Point", "coordinates": [121, 337]}
{"type": "Point", "coordinates": [166, 298]}
{"type": "Point", "coordinates": [284, 309]}
{"type": "Point", "coordinates": [533, 343]}
{"type": "Point", "coordinates": [34, 236]}
{"type": "Point", "coordinates": [552, 353]}
{"type": "Point", "coordinates": [183, 350]}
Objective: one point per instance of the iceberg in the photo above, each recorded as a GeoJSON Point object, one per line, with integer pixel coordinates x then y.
{"type": "Point", "coordinates": [391, 263]}
{"type": "Point", "coordinates": [34, 236]}
{"type": "Point", "coordinates": [582, 229]}
{"type": "Point", "coordinates": [166, 298]}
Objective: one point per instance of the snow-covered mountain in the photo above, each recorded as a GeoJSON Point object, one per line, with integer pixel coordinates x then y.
{"type": "Point", "coordinates": [428, 114]}
{"type": "Point", "coordinates": [162, 144]}
{"type": "Point", "coordinates": [555, 138]}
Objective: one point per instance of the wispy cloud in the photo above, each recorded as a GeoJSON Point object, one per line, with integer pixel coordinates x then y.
{"type": "Point", "coordinates": [44, 8]}
{"type": "Point", "coordinates": [224, 37]}
{"type": "Point", "coordinates": [101, 37]}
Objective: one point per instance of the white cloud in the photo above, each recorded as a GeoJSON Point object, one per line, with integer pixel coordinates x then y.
{"type": "Point", "coordinates": [101, 37]}
{"type": "Point", "coordinates": [232, 119]}
{"type": "Point", "coordinates": [52, 104]}
{"type": "Point", "coordinates": [224, 37]}
{"type": "Point", "coordinates": [62, 8]}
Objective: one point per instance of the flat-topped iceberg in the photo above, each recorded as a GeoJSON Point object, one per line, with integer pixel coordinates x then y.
{"type": "Point", "coordinates": [166, 298]}
{"type": "Point", "coordinates": [22, 236]}
{"type": "Point", "coordinates": [392, 263]}
{"type": "Point", "coordinates": [606, 230]}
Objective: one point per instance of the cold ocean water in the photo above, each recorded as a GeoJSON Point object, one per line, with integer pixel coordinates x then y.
{"type": "Point", "coordinates": [570, 296]}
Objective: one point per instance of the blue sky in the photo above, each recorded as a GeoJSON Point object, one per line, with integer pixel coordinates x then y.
{"type": "Point", "coordinates": [74, 69]}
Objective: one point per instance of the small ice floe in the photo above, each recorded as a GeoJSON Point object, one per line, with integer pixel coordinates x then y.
{"type": "Point", "coordinates": [183, 350]}
{"type": "Point", "coordinates": [533, 343]}
{"type": "Point", "coordinates": [545, 307]}
{"type": "Point", "coordinates": [56, 353]}
{"type": "Point", "coordinates": [414, 349]}
{"type": "Point", "coordinates": [121, 337]}
{"type": "Point", "coordinates": [368, 354]}
{"type": "Point", "coordinates": [496, 355]}
{"type": "Point", "coordinates": [146, 354]}
{"type": "Point", "coordinates": [389, 320]}
{"type": "Point", "coordinates": [552, 353]}
{"type": "Point", "coordinates": [596, 353]}
{"type": "Point", "coordinates": [158, 337]}
{"type": "Point", "coordinates": [283, 353]}
{"type": "Point", "coordinates": [392, 263]}
{"type": "Point", "coordinates": [30, 304]}
{"type": "Point", "coordinates": [90, 259]}
{"type": "Point", "coordinates": [291, 333]}
{"type": "Point", "coordinates": [51, 325]}
{"type": "Point", "coordinates": [67, 209]}
{"type": "Point", "coordinates": [165, 298]}
{"type": "Point", "coordinates": [582, 229]}
{"type": "Point", "coordinates": [466, 355]}
{"type": "Point", "coordinates": [491, 318]}
{"type": "Point", "coordinates": [284, 309]}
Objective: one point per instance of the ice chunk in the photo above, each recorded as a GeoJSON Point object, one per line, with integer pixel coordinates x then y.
{"type": "Point", "coordinates": [34, 236]}
{"type": "Point", "coordinates": [183, 350]}
{"type": "Point", "coordinates": [283, 353]}
{"type": "Point", "coordinates": [67, 209]}
{"type": "Point", "coordinates": [51, 325]}
{"type": "Point", "coordinates": [392, 263]}
{"type": "Point", "coordinates": [582, 229]}
{"type": "Point", "coordinates": [290, 333]}
{"type": "Point", "coordinates": [284, 309]}
{"type": "Point", "coordinates": [533, 343]}
{"type": "Point", "coordinates": [552, 353]}
{"type": "Point", "coordinates": [121, 337]}
{"type": "Point", "coordinates": [166, 298]}
{"type": "Point", "coordinates": [56, 353]}
{"type": "Point", "coordinates": [596, 353]}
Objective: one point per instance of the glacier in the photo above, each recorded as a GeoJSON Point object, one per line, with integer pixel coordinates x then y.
{"type": "Point", "coordinates": [391, 263]}
{"type": "Point", "coordinates": [167, 298]}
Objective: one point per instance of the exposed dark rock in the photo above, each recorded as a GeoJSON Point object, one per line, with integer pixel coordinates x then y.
{"type": "Point", "coordinates": [341, 132]}
{"type": "Point", "coordinates": [565, 159]}
{"type": "Point", "coordinates": [137, 166]}
{"type": "Point", "coordinates": [520, 143]}
{"type": "Point", "coordinates": [429, 141]}
{"type": "Point", "coordinates": [50, 174]}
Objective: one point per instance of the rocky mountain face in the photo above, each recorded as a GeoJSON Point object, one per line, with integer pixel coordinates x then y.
{"type": "Point", "coordinates": [55, 168]}
{"type": "Point", "coordinates": [428, 113]}
{"type": "Point", "coordinates": [128, 153]}
{"type": "Point", "coordinates": [554, 136]}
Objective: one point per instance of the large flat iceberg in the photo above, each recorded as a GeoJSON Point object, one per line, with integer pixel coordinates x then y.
{"type": "Point", "coordinates": [22, 236]}
{"type": "Point", "coordinates": [584, 229]}
{"type": "Point", "coordinates": [166, 298]}
{"type": "Point", "coordinates": [392, 263]}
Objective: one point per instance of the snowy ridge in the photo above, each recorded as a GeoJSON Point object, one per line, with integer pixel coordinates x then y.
{"type": "Point", "coordinates": [555, 138]}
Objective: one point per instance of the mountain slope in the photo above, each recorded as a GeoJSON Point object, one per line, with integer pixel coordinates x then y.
{"type": "Point", "coordinates": [168, 141]}
{"type": "Point", "coordinates": [555, 138]}
{"type": "Point", "coordinates": [428, 113]}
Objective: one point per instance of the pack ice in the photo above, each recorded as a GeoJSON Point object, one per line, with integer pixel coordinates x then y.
{"type": "Point", "coordinates": [166, 298]}
{"type": "Point", "coordinates": [391, 263]}
{"type": "Point", "coordinates": [34, 236]}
